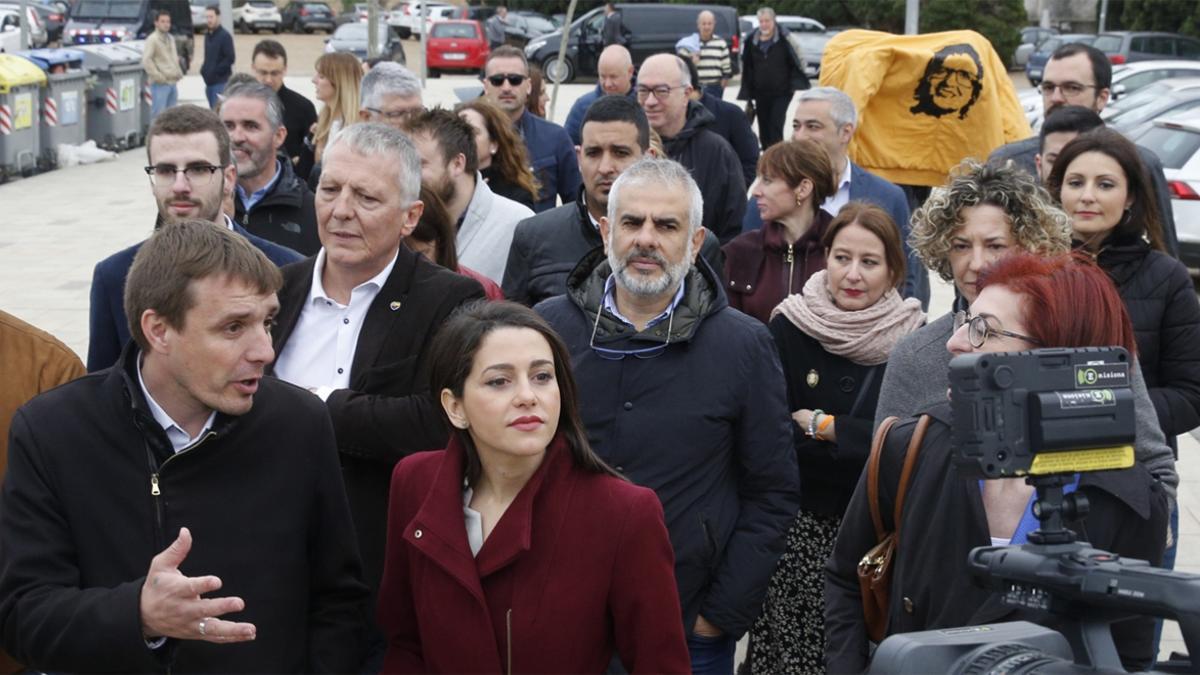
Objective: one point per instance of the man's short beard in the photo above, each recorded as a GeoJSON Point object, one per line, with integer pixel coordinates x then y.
{"type": "Point", "coordinates": [636, 284]}
{"type": "Point", "coordinates": [448, 190]}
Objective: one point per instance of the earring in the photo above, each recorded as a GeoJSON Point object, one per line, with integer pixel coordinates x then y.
{"type": "Point", "coordinates": [799, 201]}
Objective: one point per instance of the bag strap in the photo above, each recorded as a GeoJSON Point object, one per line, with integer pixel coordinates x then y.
{"type": "Point", "coordinates": [910, 462]}
{"type": "Point", "coordinates": [873, 475]}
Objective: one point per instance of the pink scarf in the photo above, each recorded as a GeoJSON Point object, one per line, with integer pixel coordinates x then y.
{"type": "Point", "coordinates": [865, 337]}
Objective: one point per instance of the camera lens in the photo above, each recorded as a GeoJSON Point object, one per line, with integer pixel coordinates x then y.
{"type": "Point", "coordinates": [1009, 659]}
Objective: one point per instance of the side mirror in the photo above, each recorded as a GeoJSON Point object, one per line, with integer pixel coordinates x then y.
{"type": "Point", "coordinates": [1118, 91]}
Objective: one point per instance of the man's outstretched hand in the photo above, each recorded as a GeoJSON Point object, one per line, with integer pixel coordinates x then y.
{"type": "Point", "coordinates": [171, 605]}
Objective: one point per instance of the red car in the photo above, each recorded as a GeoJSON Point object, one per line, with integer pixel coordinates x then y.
{"type": "Point", "coordinates": [455, 45]}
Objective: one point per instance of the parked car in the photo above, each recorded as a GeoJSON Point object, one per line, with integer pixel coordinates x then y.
{"type": "Point", "coordinates": [456, 45]}
{"type": "Point", "coordinates": [405, 16]}
{"type": "Point", "coordinates": [1176, 140]}
{"type": "Point", "coordinates": [653, 29]}
{"type": "Point", "coordinates": [1133, 113]}
{"type": "Point", "coordinates": [306, 17]}
{"type": "Point", "coordinates": [808, 37]}
{"type": "Point", "coordinates": [10, 32]}
{"type": "Point", "coordinates": [199, 7]}
{"type": "Point", "coordinates": [255, 15]}
{"type": "Point", "coordinates": [51, 18]}
{"type": "Point", "coordinates": [1037, 60]}
{"type": "Point", "coordinates": [412, 24]}
{"type": "Point", "coordinates": [38, 37]}
{"type": "Point", "coordinates": [1127, 79]}
{"type": "Point", "coordinates": [102, 21]}
{"type": "Point", "coordinates": [522, 29]}
{"type": "Point", "coordinates": [1032, 38]}
{"type": "Point", "coordinates": [352, 37]}
{"type": "Point", "coordinates": [1130, 46]}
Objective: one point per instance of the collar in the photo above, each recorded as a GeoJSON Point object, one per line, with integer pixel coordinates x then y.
{"type": "Point", "coordinates": [229, 223]}
{"type": "Point", "coordinates": [845, 176]}
{"type": "Point", "coordinates": [258, 194]}
{"type": "Point", "coordinates": [588, 214]}
{"type": "Point", "coordinates": [610, 302]}
{"type": "Point", "coordinates": [176, 434]}
{"type": "Point", "coordinates": [317, 290]}
{"type": "Point", "coordinates": [773, 234]}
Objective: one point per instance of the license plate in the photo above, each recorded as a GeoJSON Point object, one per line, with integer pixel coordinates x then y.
{"type": "Point", "coordinates": [1035, 74]}
{"type": "Point", "coordinates": [455, 57]}
{"type": "Point", "coordinates": [264, 24]}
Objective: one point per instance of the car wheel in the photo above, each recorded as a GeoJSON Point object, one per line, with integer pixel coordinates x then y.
{"type": "Point", "coordinates": [557, 71]}
{"type": "Point", "coordinates": [404, 33]}
{"type": "Point", "coordinates": [277, 28]}
{"type": "Point", "coordinates": [434, 73]}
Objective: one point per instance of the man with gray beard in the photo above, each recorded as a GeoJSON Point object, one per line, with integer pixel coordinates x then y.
{"type": "Point", "coordinates": [684, 395]}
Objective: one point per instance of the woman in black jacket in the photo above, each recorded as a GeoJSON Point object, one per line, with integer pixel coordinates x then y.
{"type": "Point", "coordinates": [833, 339]}
{"type": "Point", "coordinates": [1024, 302]}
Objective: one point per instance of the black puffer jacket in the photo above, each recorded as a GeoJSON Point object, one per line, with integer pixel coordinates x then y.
{"type": "Point", "coordinates": [1158, 293]}
{"type": "Point", "coordinates": [285, 215]}
{"type": "Point", "coordinates": [717, 170]}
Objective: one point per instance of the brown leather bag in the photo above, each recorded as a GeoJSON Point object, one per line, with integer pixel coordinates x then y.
{"type": "Point", "coordinates": [875, 568]}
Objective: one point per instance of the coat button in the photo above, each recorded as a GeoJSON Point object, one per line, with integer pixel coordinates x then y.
{"type": "Point", "coordinates": [908, 604]}
{"type": "Point", "coordinates": [418, 533]}
{"type": "Point", "coordinates": [620, 469]}
{"type": "Point", "coordinates": [629, 405]}
{"type": "Point", "coordinates": [749, 287]}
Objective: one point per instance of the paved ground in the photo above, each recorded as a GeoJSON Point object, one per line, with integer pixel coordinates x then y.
{"type": "Point", "coordinates": [55, 227]}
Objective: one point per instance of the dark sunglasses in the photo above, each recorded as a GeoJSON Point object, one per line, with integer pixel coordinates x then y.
{"type": "Point", "coordinates": [513, 78]}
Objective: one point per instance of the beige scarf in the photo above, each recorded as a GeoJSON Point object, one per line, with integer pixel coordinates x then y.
{"type": "Point", "coordinates": [865, 337]}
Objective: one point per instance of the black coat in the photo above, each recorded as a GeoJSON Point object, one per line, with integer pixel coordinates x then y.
{"type": "Point", "coordinates": [218, 57]}
{"type": "Point", "coordinates": [838, 386]}
{"type": "Point", "coordinates": [1161, 300]}
{"type": "Point", "coordinates": [387, 413]}
{"type": "Point", "coordinates": [704, 424]}
{"type": "Point", "coordinates": [260, 495]}
{"type": "Point", "coordinates": [779, 72]}
{"type": "Point", "coordinates": [730, 122]}
{"type": "Point", "coordinates": [931, 587]}
{"type": "Point", "coordinates": [286, 215]}
{"type": "Point", "coordinates": [299, 114]}
{"type": "Point", "coordinates": [715, 167]}
{"type": "Point", "coordinates": [548, 245]}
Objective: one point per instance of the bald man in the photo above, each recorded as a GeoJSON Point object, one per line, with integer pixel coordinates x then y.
{"type": "Point", "coordinates": [712, 61]}
{"type": "Point", "coordinates": [614, 76]}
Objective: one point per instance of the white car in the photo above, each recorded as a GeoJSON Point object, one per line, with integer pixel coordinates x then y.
{"type": "Point", "coordinates": [1176, 141]}
{"type": "Point", "coordinates": [9, 20]}
{"type": "Point", "coordinates": [1126, 79]}
{"type": "Point", "coordinates": [808, 37]}
{"type": "Point", "coordinates": [256, 15]}
{"type": "Point", "coordinates": [10, 33]}
{"type": "Point", "coordinates": [406, 16]}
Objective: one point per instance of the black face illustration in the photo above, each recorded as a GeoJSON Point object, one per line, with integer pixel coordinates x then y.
{"type": "Point", "coordinates": [952, 82]}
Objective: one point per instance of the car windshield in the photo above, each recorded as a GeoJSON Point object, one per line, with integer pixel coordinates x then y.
{"type": "Point", "coordinates": [358, 32]}
{"type": "Point", "coordinates": [539, 25]}
{"type": "Point", "coordinates": [262, 5]}
{"type": "Point", "coordinates": [1173, 145]}
{"type": "Point", "coordinates": [316, 6]}
{"type": "Point", "coordinates": [453, 30]}
{"type": "Point", "coordinates": [1131, 117]}
{"type": "Point", "coordinates": [1108, 43]}
{"type": "Point", "coordinates": [108, 9]}
{"type": "Point", "coordinates": [1141, 97]}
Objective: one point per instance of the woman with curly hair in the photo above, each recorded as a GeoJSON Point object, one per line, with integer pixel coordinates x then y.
{"type": "Point", "coordinates": [503, 159]}
{"type": "Point", "coordinates": [336, 80]}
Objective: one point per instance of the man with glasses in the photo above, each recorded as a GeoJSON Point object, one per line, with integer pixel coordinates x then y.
{"type": "Point", "coordinates": [663, 89]}
{"type": "Point", "coordinates": [551, 152]}
{"type": "Point", "coordinates": [269, 64]}
{"type": "Point", "coordinates": [1079, 74]}
{"type": "Point", "coordinates": [270, 201]}
{"type": "Point", "coordinates": [686, 396]}
{"type": "Point", "coordinates": [391, 95]}
{"type": "Point", "coordinates": [191, 173]}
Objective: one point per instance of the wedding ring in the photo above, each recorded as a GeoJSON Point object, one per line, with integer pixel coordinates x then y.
{"type": "Point", "coordinates": [202, 626]}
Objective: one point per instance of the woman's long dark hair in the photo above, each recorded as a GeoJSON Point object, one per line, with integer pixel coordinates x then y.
{"type": "Point", "coordinates": [453, 355]}
{"type": "Point", "coordinates": [435, 226]}
{"type": "Point", "coordinates": [1143, 217]}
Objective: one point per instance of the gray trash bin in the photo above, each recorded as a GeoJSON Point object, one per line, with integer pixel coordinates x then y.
{"type": "Point", "coordinates": [114, 117]}
{"type": "Point", "coordinates": [20, 107]}
{"type": "Point", "coordinates": [64, 110]}
{"type": "Point", "coordinates": [138, 47]}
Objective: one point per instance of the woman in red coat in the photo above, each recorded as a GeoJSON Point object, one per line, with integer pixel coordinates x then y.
{"type": "Point", "coordinates": [516, 549]}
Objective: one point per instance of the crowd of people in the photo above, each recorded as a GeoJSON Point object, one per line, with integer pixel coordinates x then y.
{"type": "Point", "coordinates": [404, 389]}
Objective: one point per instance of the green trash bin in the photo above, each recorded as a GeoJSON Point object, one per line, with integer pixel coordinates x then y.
{"type": "Point", "coordinates": [64, 113]}
{"type": "Point", "coordinates": [20, 108]}
{"type": "Point", "coordinates": [114, 116]}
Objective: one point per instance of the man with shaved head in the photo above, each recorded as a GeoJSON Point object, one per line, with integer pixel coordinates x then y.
{"type": "Point", "coordinates": [712, 61]}
{"type": "Point", "coordinates": [614, 76]}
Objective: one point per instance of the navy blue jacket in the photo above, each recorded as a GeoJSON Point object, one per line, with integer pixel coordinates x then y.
{"type": "Point", "coordinates": [732, 124]}
{"type": "Point", "coordinates": [867, 187]}
{"type": "Point", "coordinates": [574, 123]}
{"type": "Point", "coordinates": [108, 330]}
{"type": "Point", "coordinates": [218, 57]}
{"type": "Point", "coordinates": [553, 156]}
{"type": "Point", "coordinates": [704, 424]}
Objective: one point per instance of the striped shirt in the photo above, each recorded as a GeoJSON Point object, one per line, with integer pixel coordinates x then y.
{"type": "Point", "coordinates": [714, 64]}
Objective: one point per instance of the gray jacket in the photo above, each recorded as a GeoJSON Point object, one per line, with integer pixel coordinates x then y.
{"type": "Point", "coordinates": [486, 231]}
{"type": "Point", "coordinates": [917, 378]}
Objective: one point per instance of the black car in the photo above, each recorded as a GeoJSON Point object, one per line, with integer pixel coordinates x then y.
{"type": "Point", "coordinates": [653, 29]}
{"type": "Point", "coordinates": [306, 17]}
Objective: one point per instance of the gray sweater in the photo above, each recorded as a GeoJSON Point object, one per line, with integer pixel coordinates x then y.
{"type": "Point", "coordinates": [918, 375]}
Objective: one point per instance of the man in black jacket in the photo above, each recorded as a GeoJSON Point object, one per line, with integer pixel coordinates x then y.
{"type": "Point", "coordinates": [684, 395]}
{"type": "Point", "coordinates": [663, 87]}
{"type": "Point", "coordinates": [183, 473]}
{"type": "Point", "coordinates": [271, 201]}
{"type": "Point", "coordinates": [547, 247]}
{"type": "Point", "coordinates": [218, 56]}
{"type": "Point", "coordinates": [270, 63]}
{"type": "Point", "coordinates": [729, 122]}
{"type": "Point", "coordinates": [771, 72]}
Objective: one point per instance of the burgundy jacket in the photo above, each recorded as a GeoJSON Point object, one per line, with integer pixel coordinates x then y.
{"type": "Point", "coordinates": [578, 567]}
{"type": "Point", "coordinates": [762, 269]}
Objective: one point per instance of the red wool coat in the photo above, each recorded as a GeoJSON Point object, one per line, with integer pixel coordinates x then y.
{"type": "Point", "coordinates": [580, 565]}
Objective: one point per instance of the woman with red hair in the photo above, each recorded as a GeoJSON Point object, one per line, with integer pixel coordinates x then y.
{"type": "Point", "coordinates": [1024, 302]}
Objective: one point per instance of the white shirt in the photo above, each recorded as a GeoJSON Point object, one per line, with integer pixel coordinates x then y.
{"type": "Point", "coordinates": [835, 202]}
{"type": "Point", "coordinates": [320, 351]}
{"type": "Point", "coordinates": [180, 440]}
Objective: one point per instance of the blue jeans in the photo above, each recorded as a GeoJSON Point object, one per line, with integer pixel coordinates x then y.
{"type": "Point", "coordinates": [715, 89]}
{"type": "Point", "coordinates": [212, 91]}
{"type": "Point", "coordinates": [1168, 563]}
{"type": "Point", "coordinates": [162, 96]}
{"type": "Point", "coordinates": [711, 656]}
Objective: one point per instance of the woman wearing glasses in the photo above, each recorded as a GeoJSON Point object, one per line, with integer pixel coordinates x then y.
{"type": "Point", "coordinates": [1023, 302]}
{"type": "Point", "coordinates": [337, 77]}
{"type": "Point", "coordinates": [503, 159]}
{"type": "Point", "coordinates": [766, 265]}
{"type": "Point", "coordinates": [516, 549]}
{"type": "Point", "coordinates": [834, 338]}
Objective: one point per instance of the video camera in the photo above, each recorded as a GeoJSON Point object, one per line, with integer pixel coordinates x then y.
{"type": "Point", "coordinates": [1047, 415]}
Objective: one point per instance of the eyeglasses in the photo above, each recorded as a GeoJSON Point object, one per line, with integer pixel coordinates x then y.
{"type": "Point", "coordinates": [395, 114]}
{"type": "Point", "coordinates": [642, 353]}
{"type": "Point", "coordinates": [978, 330]}
{"type": "Point", "coordinates": [660, 92]}
{"type": "Point", "coordinates": [1068, 88]}
{"type": "Point", "coordinates": [514, 79]}
{"type": "Point", "coordinates": [198, 175]}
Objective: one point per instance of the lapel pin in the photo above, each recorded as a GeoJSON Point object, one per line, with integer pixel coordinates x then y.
{"type": "Point", "coordinates": [395, 305]}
